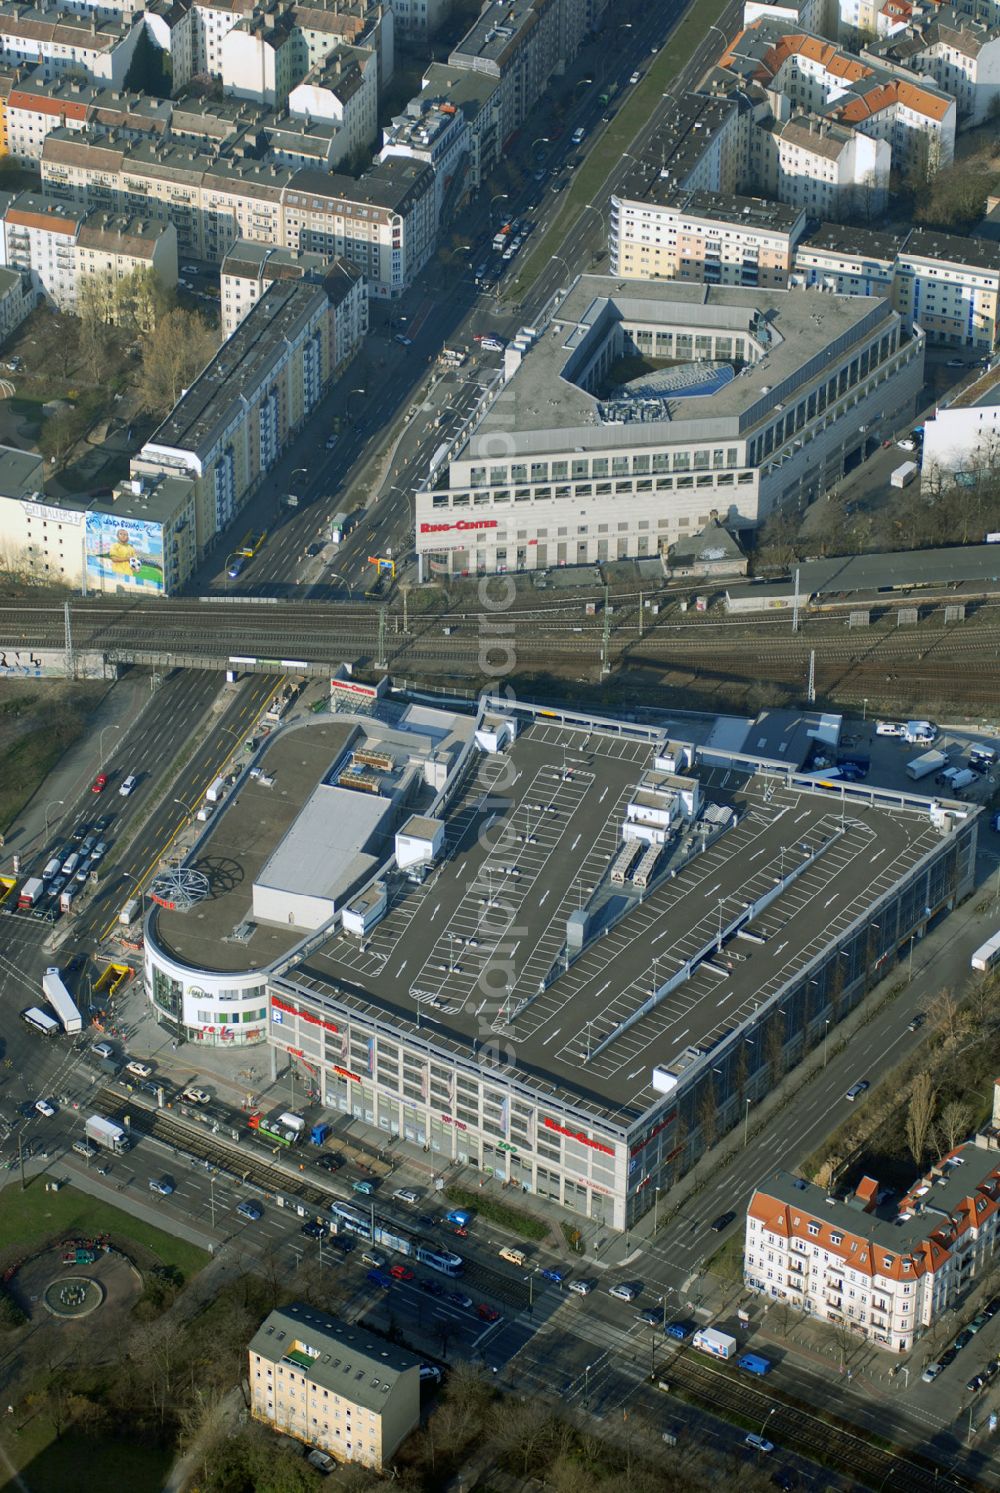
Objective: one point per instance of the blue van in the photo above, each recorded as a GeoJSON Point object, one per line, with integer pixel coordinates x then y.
{"type": "Point", "coordinates": [380, 1278]}
{"type": "Point", "coordinates": [754, 1364]}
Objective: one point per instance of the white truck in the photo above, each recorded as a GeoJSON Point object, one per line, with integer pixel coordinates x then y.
{"type": "Point", "coordinates": [927, 763]}
{"type": "Point", "coordinates": [30, 892]}
{"type": "Point", "coordinates": [215, 791]}
{"type": "Point", "coordinates": [920, 733]}
{"type": "Point", "coordinates": [107, 1134]}
{"type": "Point", "coordinates": [61, 1001]}
{"type": "Point", "coordinates": [713, 1342]}
{"type": "Point", "coordinates": [964, 777]}
{"type": "Point", "coordinates": [904, 475]}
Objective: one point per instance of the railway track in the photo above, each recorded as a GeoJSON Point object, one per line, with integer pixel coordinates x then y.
{"type": "Point", "coordinates": [798, 1429]}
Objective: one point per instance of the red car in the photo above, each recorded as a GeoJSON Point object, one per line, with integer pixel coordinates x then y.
{"type": "Point", "coordinates": [400, 1272]}
{"type": "Point", "coordinates": [488, 1313]}
{"type": "Point", "coordinates": [99, 783]}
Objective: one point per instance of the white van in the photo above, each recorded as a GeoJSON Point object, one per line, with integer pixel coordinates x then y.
{"type": "Point", "coordinates": [129, 912]}
{"type": "Point", "coordinates": [889, 728]}
{"type": "Point", "coordinates": [52, 868]}
{"type": "Point", "coordinates": [70, 864]}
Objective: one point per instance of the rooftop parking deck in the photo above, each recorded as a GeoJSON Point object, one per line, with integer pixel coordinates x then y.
{"type": "Point", "coordinates": [475, 955]}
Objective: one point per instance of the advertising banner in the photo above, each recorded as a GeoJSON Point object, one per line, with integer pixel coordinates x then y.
{"type": "Point", "coordinates": [124, 554]}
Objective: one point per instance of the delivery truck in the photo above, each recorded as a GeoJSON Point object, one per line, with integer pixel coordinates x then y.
{"type": "Point", "coordinates": [61, 1001]}
{"type": "Point", "coordinates": [107, 1134]}
{"type": "Point", "coordinates": [214, 792]}
{"type": "Point", "coordinates": [30, 892]}
{"type": "Point", "coordinates": [713, 1342]}
{"type": "Point", "coordinates": [904, 475]}
{"type": "Point", "coordinates": [925, 764]}
{"type": "Point", "coordinates": [963, 778]}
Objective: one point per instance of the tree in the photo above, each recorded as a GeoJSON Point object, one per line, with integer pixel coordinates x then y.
{"type": "Point", "coordinates": [708, 1114]}
{"type": "Point", "coordinates": [919, 1115]}
{"type": "Point", "coordinates": [953, 1122]}
{"type": "Point", "coordinates": [172, 357]}
{"type": "Point", "coordinates": [59, 434]}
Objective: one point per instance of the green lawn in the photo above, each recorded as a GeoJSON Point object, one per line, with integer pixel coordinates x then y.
{"type": "Point", "coordinates": [28, 1218]}
{"type": "Point", "coordinates": [639, 103]}
{"type": "Point", "coordinates": [79, 1464]}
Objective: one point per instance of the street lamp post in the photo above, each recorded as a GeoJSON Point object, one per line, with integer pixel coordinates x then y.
{"type": "Point", "coordinates": [826, 1041]}
{"type": "Point", "coordinates": [104, 732]}
{"type": "Point", "coordinates": [586, 1382]}
{"type": "Point", "coordinates": [746, 1125]}
{"type": "Point", "coordinates": [291, 481]}
{"type": "Point", "coordinates": [500, 197]}
{"type": "Point", "coordinates": [773, 1411]}
{"type": "Point", "coordinates": [51, 805]}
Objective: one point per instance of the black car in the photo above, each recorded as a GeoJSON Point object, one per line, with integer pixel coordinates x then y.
{"type": "Point", "coordinates": [976, 1382]}
{"type": "Point", "coordinates": [427, 1220]}
{"type": "Point", "coordinates": [786, 1480]}
{"type": "Point", "coordinates": [432, 1287]}
{"type": "Point", "coordinates": [102, 824]}
{"type": "Point", "coordinates": [722, 1222]}
{"type": "Point", "coordinates": [80, 831]}
{"type": "Point", "coordinates": [314, 1229]}
{"type": "Point", "coordinates": [992, 1307]}
{"type": "Point", "coordinates": [330, 1162]}
{"type": "Point", "coordinates": [342, 1242]}
{"type": "Point", "coordinates": [964, 1339]}
{"type": "Point", "coordinates": [947, 1357]}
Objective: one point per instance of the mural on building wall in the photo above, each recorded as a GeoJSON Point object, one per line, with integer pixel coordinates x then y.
{"type": "Point", "coordinates": [124, 553]}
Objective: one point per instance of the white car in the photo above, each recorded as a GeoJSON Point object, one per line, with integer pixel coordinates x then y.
{"type": "Point", "coordinates": [759, 1443]}
{"type": "Point", "coordinates": [635, 77]}
{"type": "Point", "coordinates": [405, 1195]}
{"type": "Point", "coordinates": [623, 1292]}
{"type": "Point", "coordinates": [197, 1096]}
{"type": "Point", "coordinates": [104, 1049]}
{"type": "Point", "coordinates": [907, 443]}
{"type": "Point", "coordinates": [331, 441]}
{"type": "Point", "coordinates": [44, 1108]}
{"type": "Point", "coordinates": [430, 1371]}
{"type": "Point", "coordinates": [127, 785]}
{"type": "Point", "coordinates": [931, 1372]}
{"type": "Point", "coordinates": [580, 1287]}
{"type": "Point", "coordinates": [141, 1070]}
{"type": "Point", "coordinates": [189, 269]}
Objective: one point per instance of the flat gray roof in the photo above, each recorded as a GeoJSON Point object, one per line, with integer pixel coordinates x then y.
{"type": "Point", "coordinates": [895, 570]}
{"type": "Point", "coordinates": [541, 408]}
{"type": "Point", "coordinates": [240, 839]}
{"type": "Point", "coordinates": [560, 800]}
{"type": "Point", "coordinates": [323, 851]}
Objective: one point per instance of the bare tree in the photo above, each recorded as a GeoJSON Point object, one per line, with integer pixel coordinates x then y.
{"type": "Point", "coordinates": [172, 357]}
{"type": "Point", "coordinates": [920, 1115]}
{"type": "Point", "coordinates": [946, 1015]}
{"type": "Point", "coordinates": [953, 1122]}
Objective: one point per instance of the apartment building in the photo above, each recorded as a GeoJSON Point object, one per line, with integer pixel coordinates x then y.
{"type": "Point", "coordinates": [521, 44]}
{"type": "Point", "coordinates": [950, 286]}
{"type": "Point", "coordinates": [676, 234]}
{"type": "Point", "coordinates": [570, 465]}
{"type": "Point", "coordinates": [826, 168]}
{"type": "Point", "coordinates": [229, 428]}
{"type": "Point", "coordinates": [476, 96]}
{"type": "Point", "coordinates": [248, 269]}
{"type": "Point", "coordinates": [419, 18]}
{"type": "Point", "coordinates": [58, 246]}
{"type": "Point", "coordinates": [59, 42]}
{"type": "Point", "coordinates": [17, 300]}
{"type": "Point", "coordinates": [847, 261]}
{"type": "Point", "coordinates": [341, 93]}
{"type": "Point", "coordinates": [962, 436]}
{"type": "Point", "coordinates": [37, 105]}
{"type": "Point", "coordinates": [277, 44]}
{"type": "Point", "coordinates": [800, 75]}
{"type": "Point", "coordinates": [137, 541]}
{"type": "Point", "coordinates": [961, 53]}
{"type": "Point", "coordinates": [385, 222]}
{"type": "Point", "coordinates": [437, 134]}
{"type": "Point", "coordinates": [333, 1385]}
{"type": "Point", "coordinates": [886, 1269]}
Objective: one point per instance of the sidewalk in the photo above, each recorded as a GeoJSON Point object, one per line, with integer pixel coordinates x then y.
{"type": "Point", "coordinates": [122, 707]}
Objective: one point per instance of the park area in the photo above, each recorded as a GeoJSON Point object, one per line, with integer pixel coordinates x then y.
{"type": "Point", "coordinates": [87, 1290]}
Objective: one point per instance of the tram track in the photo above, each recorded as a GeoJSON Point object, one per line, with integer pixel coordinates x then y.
{"type": "Point", "coordinates": [794, 1427]}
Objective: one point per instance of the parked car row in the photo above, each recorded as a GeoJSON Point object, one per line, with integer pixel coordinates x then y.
{"type": "Point", "coordinates": [963, 1340]}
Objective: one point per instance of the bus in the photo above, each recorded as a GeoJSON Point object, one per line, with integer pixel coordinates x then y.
{"type": "Point", "coordinates": [41, 1023]}
{"type": "Point", "coordinates": [985, 957]}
